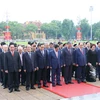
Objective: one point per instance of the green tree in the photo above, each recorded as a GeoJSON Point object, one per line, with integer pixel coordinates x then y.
{"type": "Point", "coordinates": [17, 30]}
{"type": "Point", "coordinates": [67, 28]}
{"type": "Point", "coordinates": [96, 30]}
{"type": "Point", "coordinates": [85, 28]}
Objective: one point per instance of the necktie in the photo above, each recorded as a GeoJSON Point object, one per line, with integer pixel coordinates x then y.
{"type": "Point", "coordinates": [30, 54]}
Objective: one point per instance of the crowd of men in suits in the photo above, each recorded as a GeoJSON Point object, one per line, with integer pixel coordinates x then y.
{"type": "Point", "coordinates": [28, 65]}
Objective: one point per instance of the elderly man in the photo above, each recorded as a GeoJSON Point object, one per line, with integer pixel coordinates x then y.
{"type": "Point", "coordinates": [29, 67]}
{"type": "Point", "coordinates": [22, 74]}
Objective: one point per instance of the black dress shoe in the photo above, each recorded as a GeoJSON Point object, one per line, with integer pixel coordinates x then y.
{"type": "Point", "coordinates": [45, 85]}
{"type": "Point", "coordinates": [4, 87]}
{"type": "Point", "coordinates": [33, 88]}
{"type": "Point", "coordinates": [49, 81]}
{"type": "Point", "coordinates": [27, 88]}
{"type": "Point", "coordinates": [39, 86]}
{"type": "Point", "coordinates": [79, 82]}
{"type": "Point", "coordinates": [17, 90]}
{"type": "Point", "coordinates": [53, 85]}
{"type": "Point", "coordinates": [59, 84]}
{"type": "Point", "coordinates": [11, 90]}
{"type": "Point", "coordinates": [84, 81]}
{"type": "Point", "coordinates": [70, 82]}
{"type": "Point", "coordinates": [66, 83]}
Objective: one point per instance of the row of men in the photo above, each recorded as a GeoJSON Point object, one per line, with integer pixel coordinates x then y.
{"type": "Point", "coordinates": [35, 62]}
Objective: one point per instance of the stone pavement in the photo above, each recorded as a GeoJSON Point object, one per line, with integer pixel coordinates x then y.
{"type": "Point", "coordinates": [38, 94]}
{"type": "Point", "coordinates": [41, 94]}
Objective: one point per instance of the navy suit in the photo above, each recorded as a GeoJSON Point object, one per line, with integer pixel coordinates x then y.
{"type": "Point", "coordinates": [55, 63]}
{"type": "Point", "coordinates": [80, 60]}
{"type": "Point", "coordinates": [42, 63]}
{"type": "Point", "coordinates": [67, 61]}
{"type": "Point", "coordinates": [29, 66]}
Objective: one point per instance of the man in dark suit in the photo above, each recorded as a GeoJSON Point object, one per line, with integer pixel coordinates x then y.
{"type": "Point", "coordinates": [80, 61]}
{"type": "Point", "coordinates": [42, 65]}
{"type": "Point", "coordinates": [1, 72]}
{"type": "Point", "coordinates": [29, 67]}
{"type": "Point", "coordinates": [2, 64]}
{"type": "Point", "coordinates": [55, 64]}
{"type": "Point", "coordinates": [12, 67]}
{"type": "Point", "coordinates": [67, 54]}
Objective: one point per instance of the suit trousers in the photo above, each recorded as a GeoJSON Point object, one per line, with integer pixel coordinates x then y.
{"type": "Point", "coordinates": [13, 80]}
{"type": "Point", "coordinates": [5, 79]}
{"type": "Point", "coordinates": [98, 71]}
{"type": "Point", "coordinates": [22, 76]}
{"type": "Point", "coordinates": [55, 72]}
{"type": "Point", "coordinates": [81, 70]}
{"type": "Point", "coordinates": [67, 73]}
{"type": "Point", "coordinates": [29, 79]}
{"type": "Point", "coordinates": [42, 72]}
{"type": "Point", "coordinates": [48, 75]}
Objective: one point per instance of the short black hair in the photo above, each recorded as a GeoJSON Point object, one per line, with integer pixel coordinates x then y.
{"type": "Point", "coordinates": [51, 43]}
{"type": "Point", "coordinates": [75, 45]}
{"type": "Point", "coordinates": [60, 43]}
{"type": "Point", "coordinates": [64, 44]}
{"type": "Point", "coordinates": [98, 42]}
{"type": "Point", "coordinates": [56, 46]}
{"type": "Point", "coordinates": [29, 42]}
{"type": "Point", "coordinates": [12, 43]}
{"type": "Point", "coordinates": [3, 43]}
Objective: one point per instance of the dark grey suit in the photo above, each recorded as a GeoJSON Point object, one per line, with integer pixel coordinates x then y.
{"type": "Point", "coordinates": [12, 64]}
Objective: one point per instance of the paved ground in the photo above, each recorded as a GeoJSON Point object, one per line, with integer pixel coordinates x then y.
{"type": "Point", "coordinates": [38, 94]}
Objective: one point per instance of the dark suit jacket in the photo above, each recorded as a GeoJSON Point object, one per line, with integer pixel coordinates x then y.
{"type": "Point", "coordinates": [67, 56]}
{"type": "Point", "coordinates": [29, 63]}
{"type": "Point", "coordinates": [2, 60]}
{"type": "Point", "coordinates": [41, 61]}
{"type": "Point", "coordinates": [80, 58]}
{"type": "Point", "coordinates": [92, 57]}
{"type": "Point", "coordinates": [12, 63]}
{"type": "Point", "coordinates": [54, 61]}
{"type": "Point", "coordinates": [98, 56]}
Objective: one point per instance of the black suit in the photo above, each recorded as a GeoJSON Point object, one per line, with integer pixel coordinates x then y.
{"type": "Point", "coordinates": [12, 64]}
{"type": "Point", "coordinates": [68, 61]}
{"type": "Point", "coordinates": [29, 66]}
{"type": "Point", "coordinates": [1, 73]}
{"type": "Point", "coordinates": [2, 64]}
{"type": "Point", "coordinates": [42, 63]}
